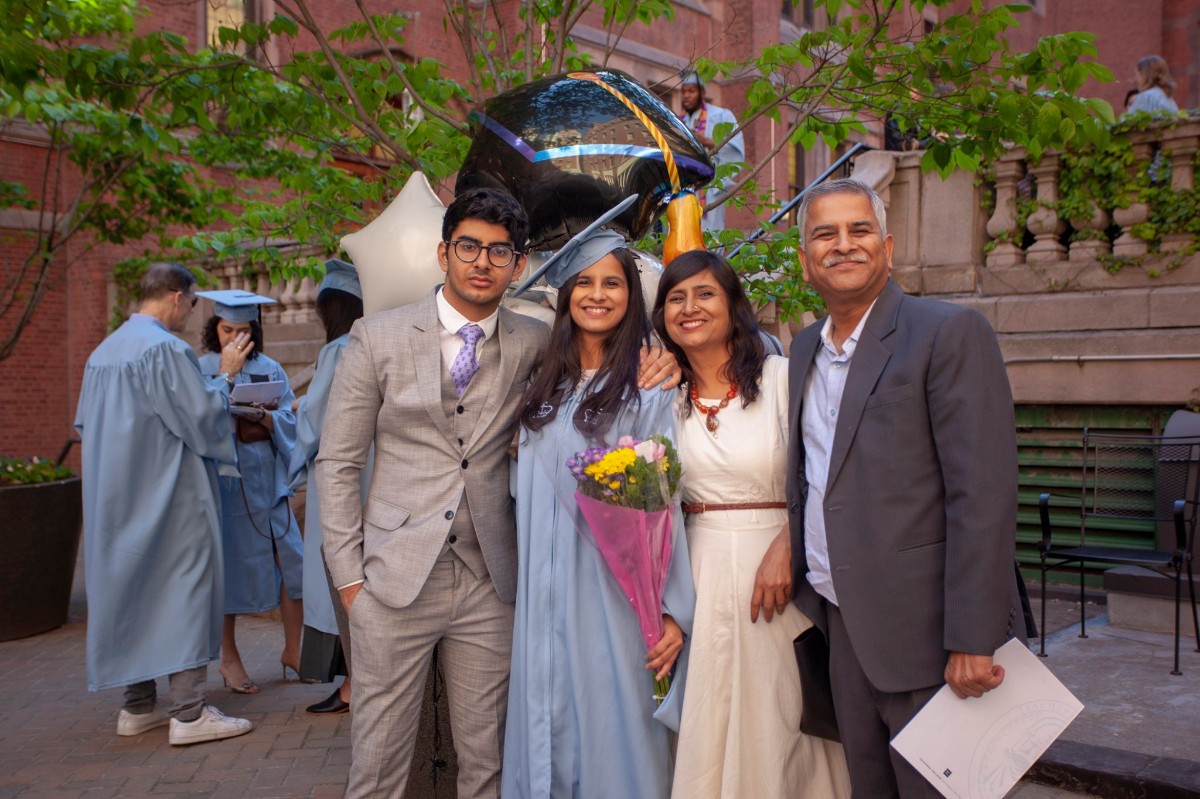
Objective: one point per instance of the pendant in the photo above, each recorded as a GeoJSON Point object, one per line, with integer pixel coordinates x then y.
{"type": "Point", "coordinates": [711, 424]}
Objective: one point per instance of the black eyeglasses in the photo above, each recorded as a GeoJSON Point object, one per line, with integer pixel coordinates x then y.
{"type": "Point", "coordinates": [191, 297]}
{"type": "Point", "coordinates": [468, 251]}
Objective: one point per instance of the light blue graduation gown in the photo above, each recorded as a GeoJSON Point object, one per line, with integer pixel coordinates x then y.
{"type": "Point", "coordinates": [310, 419]}
{"type": "Point", "coordinates": [251, 578]}
{"type": "Point", "coordinates": [581, 718]}
{"type": "Point", "coordinates": [149, 423]}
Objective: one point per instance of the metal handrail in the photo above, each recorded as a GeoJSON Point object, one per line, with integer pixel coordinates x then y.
{"type": "Point", "coordinates": [792, 203]}
{"type": "Point", "coordinates": [62, 455]}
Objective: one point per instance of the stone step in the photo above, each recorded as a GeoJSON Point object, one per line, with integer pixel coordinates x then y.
{"type": "Point", "coordinates": [1140, 599]}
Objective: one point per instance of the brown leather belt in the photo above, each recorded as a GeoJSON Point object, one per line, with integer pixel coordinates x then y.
{"type": "Point", "coordinates": [703, 507]}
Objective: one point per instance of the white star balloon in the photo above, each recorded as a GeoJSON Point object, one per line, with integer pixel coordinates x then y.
{"type": "Point", "coordinates": [396, 254]}
{"type": "Point", "coordinates": [397, 261]}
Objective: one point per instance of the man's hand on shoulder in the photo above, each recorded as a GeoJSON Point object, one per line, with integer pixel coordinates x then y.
{"type": "Point", "coordinates": [659, 367]}
{"type": "Point", "coordinates": [972, 675]}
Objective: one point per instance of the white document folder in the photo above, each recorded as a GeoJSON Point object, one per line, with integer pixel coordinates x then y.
{"type": "Point", "coordinates": [979, 748]}
{"type": "Point", "coordinates": [256, 393]}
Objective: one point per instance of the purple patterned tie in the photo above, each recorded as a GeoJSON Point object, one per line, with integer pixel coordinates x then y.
{"type": "Point", "coordinates": [465, 363]}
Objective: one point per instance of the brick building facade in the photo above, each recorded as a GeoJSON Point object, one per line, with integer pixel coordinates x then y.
{"type": "Point", "coordinates": [39, 383]}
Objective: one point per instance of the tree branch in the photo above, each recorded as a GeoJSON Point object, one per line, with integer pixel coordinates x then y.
{"type": "Point", "coordinates": [399, 71]}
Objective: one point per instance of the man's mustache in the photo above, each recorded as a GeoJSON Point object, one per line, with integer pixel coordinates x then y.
{"type": "Point", "coordinates": [833, 260]}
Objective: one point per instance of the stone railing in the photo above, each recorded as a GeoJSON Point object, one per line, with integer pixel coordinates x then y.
{"type": "Point", "coordinates": [1048, 240]}
{"type": "Point", "coordinates": [1074, 328]}
{"type": "Point", "coordinates": [296, 298]}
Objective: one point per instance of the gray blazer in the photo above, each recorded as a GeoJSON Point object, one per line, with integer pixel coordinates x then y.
{"type": "Point", "coordinates": [388, 390]}
{"type": "Point", "coordinates": [920, 507]}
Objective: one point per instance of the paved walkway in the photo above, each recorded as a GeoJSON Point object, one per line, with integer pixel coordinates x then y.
{"type": "Point", "coordinates": [58, 740]}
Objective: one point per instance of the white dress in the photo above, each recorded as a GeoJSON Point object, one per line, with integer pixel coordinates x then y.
{"type": "Point", "coordinates": [739, 736]}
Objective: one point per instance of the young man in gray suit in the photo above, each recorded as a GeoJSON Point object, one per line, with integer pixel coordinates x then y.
{"type": "Point", "coordinates": [429, 559]}
{"type": "Point", "coordinates": [902, 488]}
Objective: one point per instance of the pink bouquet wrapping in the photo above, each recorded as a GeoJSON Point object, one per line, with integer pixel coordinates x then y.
{"type": "Point", "coordinates": [626, 494]}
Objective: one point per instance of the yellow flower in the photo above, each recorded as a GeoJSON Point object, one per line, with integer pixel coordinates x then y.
{"type": "Point", "coordinates": [614, 463]}
{"type": "Point", "coordinates": [614, 484]}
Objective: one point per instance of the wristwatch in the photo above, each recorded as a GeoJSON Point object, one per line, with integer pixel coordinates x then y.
{"type": "Point", "coordinates": [228, 378]}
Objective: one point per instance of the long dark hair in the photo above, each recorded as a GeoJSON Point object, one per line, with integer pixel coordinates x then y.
{"type": "Point", "coordinates": [212, 342]}
{"type": "Point", "coordinates": [615, 382]}
{"type": "Point", "coordinates": [747, 355]}
{"type": "Point", "coordinates": [337, 311]}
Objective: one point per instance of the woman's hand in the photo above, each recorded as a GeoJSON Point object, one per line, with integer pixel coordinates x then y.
{"type": "Point", "coordinates": [773, 582]}
{"type": "Point", "coordinates": [662, 657]}
{"type": "Point", "coordinates": [267, 420]}
{"type": "Point", "coordinates": [235, 353]}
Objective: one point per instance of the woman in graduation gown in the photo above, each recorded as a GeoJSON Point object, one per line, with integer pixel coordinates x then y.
{"type": "Point", "coordinates": [259, 535]}
{"type": "Point", "coordinates": [582, 720]}
{"type": "Point", "coordinates": [740, 734]}
{"type": "Point", "coordinates": [326, 645]}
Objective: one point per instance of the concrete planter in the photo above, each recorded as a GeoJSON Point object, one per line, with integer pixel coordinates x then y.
{"type": "Point", "coordinates": [40, 527]}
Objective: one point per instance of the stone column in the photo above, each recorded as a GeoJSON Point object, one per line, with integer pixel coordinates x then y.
{"type": "Point", "coordinates": [1010, 168]}
{"type": "Point", "coordinates": [1181, 144]}
{"type": "Point", "coordinates": [1128, 245]}
{"type": "Point", "coordinates": [264, 288]}
{"type": "Point", "coordinates": [1044, 222]}
{"type": "Point", "coordinates": [1096, 243]}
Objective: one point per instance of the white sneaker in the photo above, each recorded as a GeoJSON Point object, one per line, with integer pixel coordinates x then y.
{"type": "Point", "coordinates": [138, 723]}
{"type": "Point", "coordinates": [213, 725]}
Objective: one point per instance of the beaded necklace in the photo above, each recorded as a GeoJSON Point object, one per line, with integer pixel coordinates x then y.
{"type": "Point", "coordinates": [710, 411]}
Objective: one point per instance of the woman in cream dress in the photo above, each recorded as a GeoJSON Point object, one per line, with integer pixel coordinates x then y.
{"type": "Point", "coordinates": [739, 736]}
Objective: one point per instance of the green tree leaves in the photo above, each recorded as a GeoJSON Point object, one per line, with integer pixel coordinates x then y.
{"type": "Point", "coordinates": [219, 154]}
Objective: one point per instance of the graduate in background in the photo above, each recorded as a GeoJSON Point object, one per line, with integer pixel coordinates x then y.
{"type": "Point", "coordinates": [326, 644]}
{"type": "Point", "coordinates": [152, 427]}
{"type": "Point", "coordinates": [263, 549]}
{"type": "Point", "coordinates": [702, 118]}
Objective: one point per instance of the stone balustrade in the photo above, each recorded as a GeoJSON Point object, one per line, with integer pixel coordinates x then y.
{"type": "Point", "coordinates": [1045, 239]}
{"type": "Point", "coordinates": [1074, 328]}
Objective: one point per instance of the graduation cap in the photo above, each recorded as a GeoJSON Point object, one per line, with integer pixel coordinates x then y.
{"type": "Point", "coordinates": [235, 305]}
{"type": "Point", "coordinates": [342, 276]}
{"type": "Point", "coordinates": [584, 249]}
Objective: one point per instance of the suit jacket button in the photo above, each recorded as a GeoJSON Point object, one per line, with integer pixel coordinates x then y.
{"type": "Point", "coordinates": [464, 463]}
{"type": "Point", "coordinates": [460, 442]}
{"type": "Point", "coordinates": [459, 409]}
{"type": "Point", "coordinates": [449, 514]}
{"type": "Point", "coordinates": [452, 539]}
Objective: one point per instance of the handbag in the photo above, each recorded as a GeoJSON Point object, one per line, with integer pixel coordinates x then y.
{"type": "Point", "coordinates": [817, 716]}
{"type": "Point", "coordinates": [250, 431]}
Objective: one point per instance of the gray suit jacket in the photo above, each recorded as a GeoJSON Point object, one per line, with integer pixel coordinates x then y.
{"type": "Point", "coordinates": [920, 507]}
{"type": "Point", "coordinates": [388, 391]}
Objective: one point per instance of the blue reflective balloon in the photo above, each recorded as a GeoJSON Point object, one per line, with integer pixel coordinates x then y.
{"type": "Point", "coordinates": [572, 146]}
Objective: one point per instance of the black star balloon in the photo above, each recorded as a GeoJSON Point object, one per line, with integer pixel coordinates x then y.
{"type": "Point", "coordinates": [571, 147]}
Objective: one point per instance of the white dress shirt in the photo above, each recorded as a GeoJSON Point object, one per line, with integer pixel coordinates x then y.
{"type": "Point", "coordinates": [452, 320]}
{"type": "Point", "coordinates": [823, 389]}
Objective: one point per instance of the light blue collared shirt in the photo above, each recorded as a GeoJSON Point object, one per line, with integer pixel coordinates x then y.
{"type": "Point", "coordinates": [823, 391]}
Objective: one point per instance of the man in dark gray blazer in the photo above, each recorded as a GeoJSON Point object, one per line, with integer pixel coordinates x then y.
{"type": "Point", "coordinates": [428, 557]}
{"type": "Point", "coordinates": [902, 488]}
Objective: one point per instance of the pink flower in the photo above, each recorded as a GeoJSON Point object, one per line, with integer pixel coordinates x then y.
{"type": "Point", "coordinates": [649, 450]}
{"type": "Point", "coordinates": [625, 441]}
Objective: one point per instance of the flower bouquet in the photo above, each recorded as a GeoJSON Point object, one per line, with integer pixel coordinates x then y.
{"type": "Point", "coordinates": [626, 494]}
